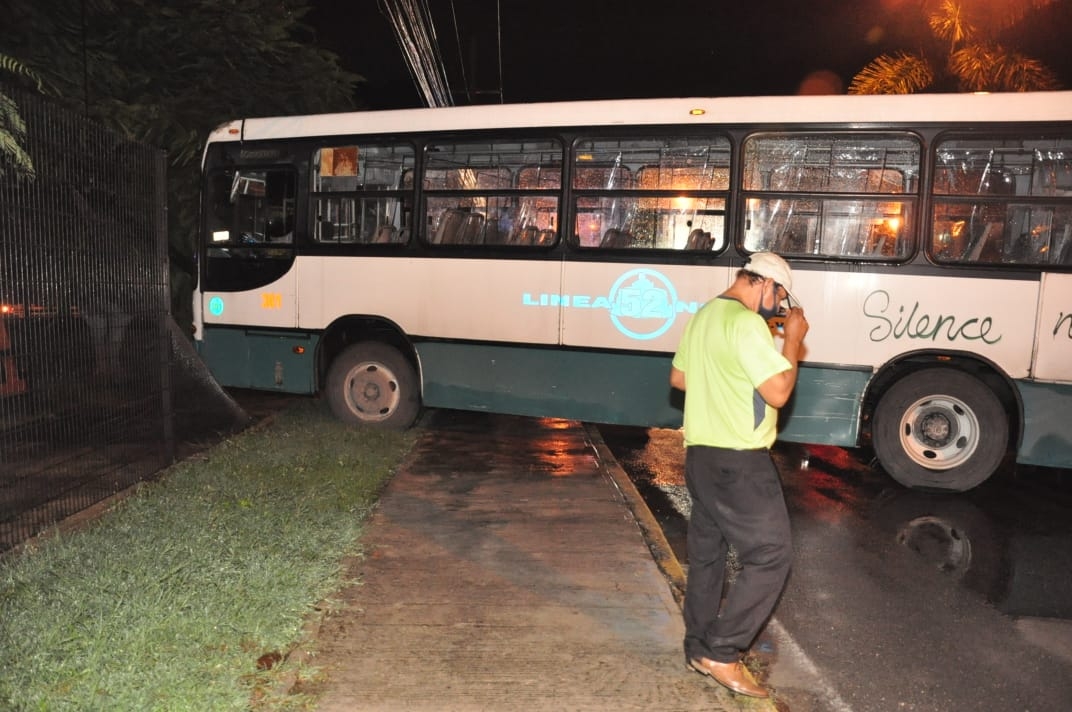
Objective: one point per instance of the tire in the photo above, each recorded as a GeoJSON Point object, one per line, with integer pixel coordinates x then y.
{"type": "Point", "coordinates": [940, 429]}
{"type": "Point", "coordinates": [371, 383]}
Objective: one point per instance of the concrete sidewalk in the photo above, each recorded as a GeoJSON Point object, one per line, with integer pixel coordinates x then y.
{"type": "Point", "coordinates": [507, 568]}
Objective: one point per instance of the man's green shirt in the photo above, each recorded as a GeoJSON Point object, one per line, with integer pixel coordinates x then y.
{"type": "Point", "coordinates": [726, 352]}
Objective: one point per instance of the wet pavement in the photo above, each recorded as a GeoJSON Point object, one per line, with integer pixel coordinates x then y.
{"type": "Point", "coordinates": [506, 567]}
{"type": "Point", "coordinates": [901, 599]}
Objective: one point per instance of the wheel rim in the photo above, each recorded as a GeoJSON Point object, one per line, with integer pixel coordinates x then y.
{"type": "Point", "coordinates": [372, 391]}
{"type": "Point", "coordinates": [939, 432]}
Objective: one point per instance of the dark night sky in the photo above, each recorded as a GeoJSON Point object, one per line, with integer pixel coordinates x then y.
{"type": "Point", "coordinates": [601, 49]}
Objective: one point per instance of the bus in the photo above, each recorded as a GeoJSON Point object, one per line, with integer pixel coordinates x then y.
{"type": "Point", "coordinates": [543, 259]}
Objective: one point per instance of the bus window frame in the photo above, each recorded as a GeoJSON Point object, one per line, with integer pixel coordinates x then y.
{"type": "Point", "coordinates": [626, 236]}
{"type": "Point", "coordinates": [514, 225]}
{"type": "Point", "coordinates": [393, 225]}
{"type": "Point", "coordinates": [875, 230]}
{"type": "Point", "coordinates": [982, 248]}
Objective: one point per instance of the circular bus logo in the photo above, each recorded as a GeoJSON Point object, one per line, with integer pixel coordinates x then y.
{"type": "Point", "coordinates": [643, 304]}
{"type": "Point", "coordinates": [215, 306]}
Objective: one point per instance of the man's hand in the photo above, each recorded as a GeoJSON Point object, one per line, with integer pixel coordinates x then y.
{"type": "Point", "coordinates": [777, 389]}
{"type": "Point", "coordinates": [796, 325]}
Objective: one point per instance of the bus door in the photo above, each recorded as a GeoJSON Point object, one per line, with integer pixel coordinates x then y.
{"type": "Point", "coordinates": [248, 301]}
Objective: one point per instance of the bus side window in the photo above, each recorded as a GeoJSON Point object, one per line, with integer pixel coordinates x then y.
{"type": "Point", "coordinates": [362, 194]}
{"type": "Point", "coordinates": [1003, 201]}
{"type": "Point", "coordinates": [251, 207]}
{"type": "Point", "coordinates": [839, 194]}
{"type": "Point", "coordinates": [492, 193]}
{"type": "Point", "coordinates": [654, 193]}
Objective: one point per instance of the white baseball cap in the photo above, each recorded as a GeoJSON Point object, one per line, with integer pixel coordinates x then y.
{"type": "Point", "coordinates": [770, 265]}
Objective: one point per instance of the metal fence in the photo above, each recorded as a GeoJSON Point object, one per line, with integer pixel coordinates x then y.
{"type": "Point", "coordinates": [89, 356]}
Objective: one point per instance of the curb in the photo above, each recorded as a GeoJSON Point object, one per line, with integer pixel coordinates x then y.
{"type": "Point", "coordinates": [649, 527]}
{"type": "Point", "coordinates": [653, 535]}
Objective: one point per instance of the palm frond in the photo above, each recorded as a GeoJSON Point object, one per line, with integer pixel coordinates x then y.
{"type": "Point", "coordinates": [973, 66]}
{"type": "Point", "coordinates": [12, 131]}
{"type": "Point", "coordinates": [1020, 73]}
{"type": "Point", "coordinates": [995, 68]}
{"type": "Point", "coordinates": [10, 65]}
{"type": "Point", "coordinates": [950, 22]}
{"type": "Point", "coordinates": [899, 73]}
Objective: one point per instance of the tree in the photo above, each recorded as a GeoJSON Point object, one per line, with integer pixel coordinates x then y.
{"type": "Point", "coordinates": [168, 73]}
{"type": "Point", "coordinates": [12, 128]}
{"type": "Point", "coordinates": [965, 38]}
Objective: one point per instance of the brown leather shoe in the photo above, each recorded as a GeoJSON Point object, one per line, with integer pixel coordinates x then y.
{"type": "Point", "coordinates": [733, 676]}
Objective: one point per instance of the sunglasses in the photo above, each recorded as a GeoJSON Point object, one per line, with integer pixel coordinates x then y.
{"type": "Point", "coordinates": [788, 299]}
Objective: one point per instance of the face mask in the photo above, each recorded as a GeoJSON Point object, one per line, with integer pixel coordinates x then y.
{"type": "Point", "coordinates": [769, 313]}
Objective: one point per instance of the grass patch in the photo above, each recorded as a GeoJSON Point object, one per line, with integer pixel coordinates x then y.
{"type": "Point", "coordinates": [168, 600]}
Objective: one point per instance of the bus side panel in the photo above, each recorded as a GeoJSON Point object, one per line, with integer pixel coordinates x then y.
{"type": "Point", "coordinates": [633, 306]}
{"type": "Point", "coordinates": [829, 407]}
{"type": "Point", "coordinates": [619, 388]}
{"type": "Point", "coordinates": [1047, 439]}
{"type": "Point", "coordinates": [273, 305]}
{"type": "Point", "coordinates": [440, 297]}
{"type": "Point", "coordinates": [869, 318]}
{"type": "Point", "coordinates": [1053, 355]}
{"type": "Point", "coordinates": [266, 360]}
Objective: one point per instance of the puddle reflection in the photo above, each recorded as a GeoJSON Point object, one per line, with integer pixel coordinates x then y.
{"type": "Point", "coordinates": [1009, 540]}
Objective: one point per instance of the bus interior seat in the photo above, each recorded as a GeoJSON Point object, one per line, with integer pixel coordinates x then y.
{"type": "Point", "coordinates": [275, 228]}
{"type": "Point", "coordinates": [1064, 257]}
{"type": "Point", "coordinates": [545, 237]}
{"type": "Point", "coordinates": [493, 235]}
{"type": "Point", "coordinates": [280, 230]}
{"type": "Point", "coordinates": [385, 234]}
{"type": "Point", "coordinates": [327, 231]}
{"type": "Point", "coordinates": [450, 222]}
{"type": "Point", "coordinates": [471, 231]}
{"type": "Point", "coordinates": [975, 250]}
{"type": "Point", "coordinates": [1063, 253]}
{"type": "Point", "coordinates": [614, 237]}
{"type": "Point", "coordinates": [527, 235]}
{"type": "Point", "coordinates": [699, 240]}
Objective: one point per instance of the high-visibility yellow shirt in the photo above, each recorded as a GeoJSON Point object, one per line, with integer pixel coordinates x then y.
{"type": "Point", "coordinates": [726, 352]}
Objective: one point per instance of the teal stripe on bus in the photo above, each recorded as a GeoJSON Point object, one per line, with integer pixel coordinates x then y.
{"type": "Point", "coordinates": [260, 358]}
{"type": "Point", "coordinates": [619, 388]}
{"type": "Point", "coordinates": [600, 387]}
{"type": "Point", "coordinates": [829, 411]}
{"type": "Point", "coordinates": [1047, 439]}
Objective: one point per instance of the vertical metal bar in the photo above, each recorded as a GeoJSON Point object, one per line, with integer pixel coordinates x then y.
{"type": "Point", "coordinates": [164, 305]}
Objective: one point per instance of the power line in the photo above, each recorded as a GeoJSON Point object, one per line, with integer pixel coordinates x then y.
{"type": "Point", "coordinates": [461, 59]}
{"type": "Point", "coordinates": [498, 39]}
{"type": "Point", "coordinates": [414, 29]}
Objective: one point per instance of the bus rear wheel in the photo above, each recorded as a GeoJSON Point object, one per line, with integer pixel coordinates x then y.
{"type": "Point", "coordinates": [371, 383]}
{"type": "Point", "coordinates": [940, 429]}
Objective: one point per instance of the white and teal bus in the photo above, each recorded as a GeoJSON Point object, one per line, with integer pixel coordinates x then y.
{"type": "Point", "coordinates": [542, 259]}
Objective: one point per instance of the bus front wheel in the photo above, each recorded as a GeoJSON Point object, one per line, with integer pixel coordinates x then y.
{"type": "Point", "coordinates": [371, 383]}
{"type": "Point", "coordinates": [940, 429]}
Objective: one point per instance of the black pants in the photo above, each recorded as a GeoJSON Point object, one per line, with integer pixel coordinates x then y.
{"type": "Point", "coordinates": [736, 500]}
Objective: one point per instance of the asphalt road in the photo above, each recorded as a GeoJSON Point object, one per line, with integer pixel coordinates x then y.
{"type": "Point", "coordinates": [900, 600]}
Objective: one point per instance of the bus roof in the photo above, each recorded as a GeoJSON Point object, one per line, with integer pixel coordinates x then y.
{"type": "Point", "coordinates": [778, 110]}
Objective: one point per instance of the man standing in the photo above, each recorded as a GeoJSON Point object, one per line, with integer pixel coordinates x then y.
{"type": "Point", "coordinates": [736, 379]}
